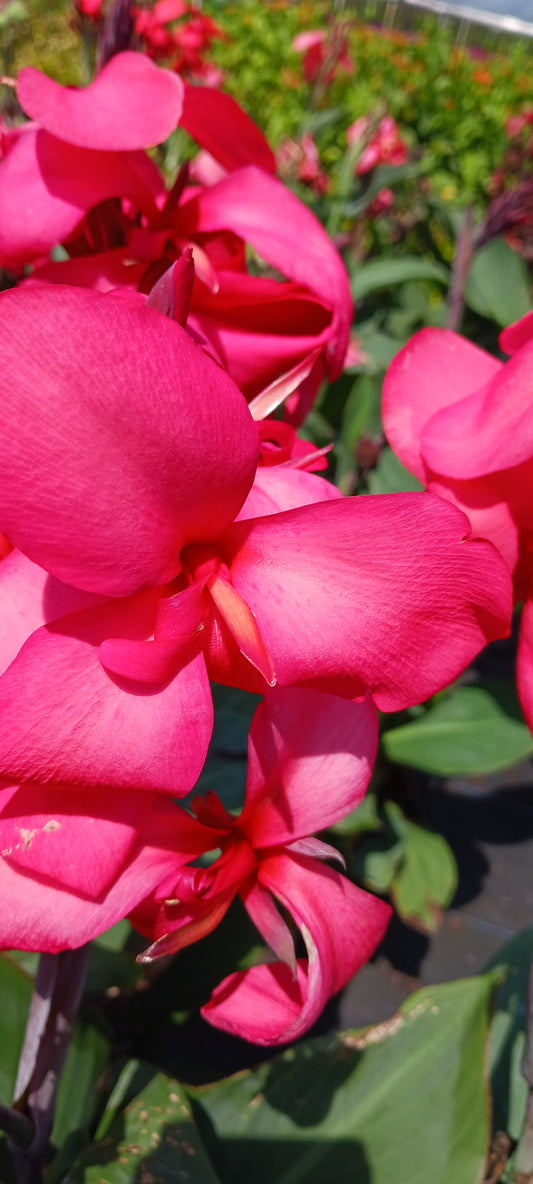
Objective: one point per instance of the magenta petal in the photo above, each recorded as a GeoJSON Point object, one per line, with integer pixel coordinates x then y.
{"type": "Point", "coordinates": [524, 663]}
{"type": "Point", "coordinates": [88, 728]}
{"type": "Point", "coordinates": [281, 487]}
{"type": "Point", "coordinates": [310, 757]}
{"type": "Point", "coordinates": [31, 598]}
{"type": "Point", "coordinates": [38, 915]}
{"type": "Point", "coordinates": [515, 336]}
{"type": "Point", "coordinates": [268, 920]}
{"type": "Point", "coordinates": [341, 926]}
{"type": "Point", "coordinates": [220, 126]}
{"type": "Point", "coordinates": [262, 211]}
{"type": "Point", "coordinates": [121, 440]}
{"type": "Point", "coordinates": [490, 429]}
{"type": "Point", "coordinates": [46, 186]}
{"type": "Point", "coordinates": [131, 104]}
{"type": "Point", "coordinates": [436, 368]}
{"type": "Point", "coordinates": [69, 836]}
{"type": "Point", "coordinates": [386, 593]}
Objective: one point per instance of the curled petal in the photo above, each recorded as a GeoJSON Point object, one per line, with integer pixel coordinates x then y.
{"type": "Point", "coordinates": [114, 457]}
{"type": "Point", "coordinates": [268, 920]}
{"type": "Point", "coordinates": [131, 104]}
{"type": "Point", "coordinates": [310, 757]}
{"type": "Point", "coordinates": [436, 369]}
{"type": "Point", "coordinates": [341, 926]}
{"type": "Point", "coordinates": [265, 214]}
{"type": "Point", "coordinates": [490, 429]}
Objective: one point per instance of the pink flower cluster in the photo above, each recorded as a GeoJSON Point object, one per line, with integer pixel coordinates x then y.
{"type": "Point", "coordinates": [384, 146]}
{"type": "Point", "coordinates": [182, 45]}
{"type": "Point", "coordinates": [164, 533]}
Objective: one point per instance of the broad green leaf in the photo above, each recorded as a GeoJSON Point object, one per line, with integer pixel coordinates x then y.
{"type": "Point", "coordinates": [154, 1139]}
{"type": "Point", "coordinates": [15, 994]}
{"type": "Point", "coordinates": [382, 273]}
{"type": "Point", "coordinates": [507, 1034]}
{"type": "Point", "coordinates": [377, 861]}
{"type": "Point", "coordinates": [405, 1102]}
{"type": "Point", "coordinates": [80, 1090]}
{"type": "Point", "coordinates": [361, 410]}
{"type": "Point", "coordinates": [498, 284]}
{"type": "Point", "coordinates": [426, 880]}
{"type": "Point", "coordinates": [364, 818]}
{"type": "Point", "coordinates": [390, 476]}
{"type": "Point", "coordinates": [472, 730]}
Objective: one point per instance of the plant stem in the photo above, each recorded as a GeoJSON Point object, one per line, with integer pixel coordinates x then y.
{"type": "Point", "coordinates": [53, 1009]}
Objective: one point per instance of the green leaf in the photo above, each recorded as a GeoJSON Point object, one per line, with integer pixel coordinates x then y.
{"type": "Point", "coordinates": [472, 730]}
{"type": "Point", "coordinates": [406, 1101]}
{"type": "Point", "coordinates": [498, 283]}
{"type": "Point", "coordinates": [154, 1139]}
{"type": "Point", "coordinates": [390, 476]}
{"type": "Point", "coordinates": [15, 994]}
{"type": "Point", "coordinates": [427, 879]}
{"type": "Point", "coordinates": [381, 273]}
{"type": "Point", "coordinates": [507, 1034]}
{"type": "Point", "coordinates": [80, 1090]}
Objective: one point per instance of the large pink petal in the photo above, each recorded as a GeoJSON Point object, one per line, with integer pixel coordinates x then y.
{"type": "Point", "coordinates": [73, 837]}
{"type": "Point", "coordinates": [310, 757]}
{"type": "Point", "coordinates": [515, 336]}
{"type": "Point", "coordinates": [46, 187]}
{"type": "Point", "coordinates": [286, 234]}
{"type": "Point", "coordinates": [218, 124]}
{"type": "Point", "coordinates": [131, 104]}
{"type": "Point", "coordinates": [31, 598]}
{"type": "Point", "coordinates": [384, 593]}
{"type": "Point", "coordinates": [436, 368]}
{"type": "Point", "coordinates": [40, 915]}
{"type": "Point", "coordinates": [489, 430]}
{"type": "Point", "coordinates": [64, 718]}
{"type": "Point", "coordinates": [341, 925]}
{"type": "Point", "coordinates": [121, 440]}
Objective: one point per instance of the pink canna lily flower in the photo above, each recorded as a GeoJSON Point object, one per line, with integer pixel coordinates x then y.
{"type": "Point", "coordinates": [461, 420]}
{"type": "Point", "coordinates": [79, 175]}
{"type": "Point", "coordinates": [74, 861]}
{"type": "Point", "coordinates": [127, 489]}
{"type": "Point", "coordinates": [310, 758]}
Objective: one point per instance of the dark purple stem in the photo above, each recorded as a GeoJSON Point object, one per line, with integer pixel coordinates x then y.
{"type": "Point", "coordinates": [55, 1002]}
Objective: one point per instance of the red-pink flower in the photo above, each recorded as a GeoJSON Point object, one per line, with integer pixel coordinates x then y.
{"type": "Point", "coordinates": [310, 757]}
{"type": "Point", "coordinates": [77, 176]}
{"type": "Point", "coordinates": [461, 420]}
{"type": "Point", "coordinates": [384, 147]}
{"type": "Point", "coordinates": [126, 482]}
{"type": "Point", "coordinates": [74, 861]}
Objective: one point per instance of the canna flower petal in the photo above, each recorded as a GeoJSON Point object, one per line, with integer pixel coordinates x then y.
{"type": "Point", "coordinates": [310, 757]}
{"type": "Point", "coordinates": [89, 728]}
{"type": "Point", "coordinates": [488, 430]}
{"type": "Point", "coordinates": [436, 369]}
{"type": "Point", "coordinates": [46, 187]}
{"type": "Point", "coordinates": [41, 914]}
{"type": "Point", "coordinates": [131, 104]}
{"type": "Point", "coordinates": [387, 593]}
{"type": "Point", "coordinates": [76, 838]}
{"type": "Point", "coordinates": [219, 125]}
{"type": "Point", "coordinates": [341, 926]}
{"type": "Point", "coordinates": [140, 435]}
{"type": "Point", "coordinates": [264, 213]}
